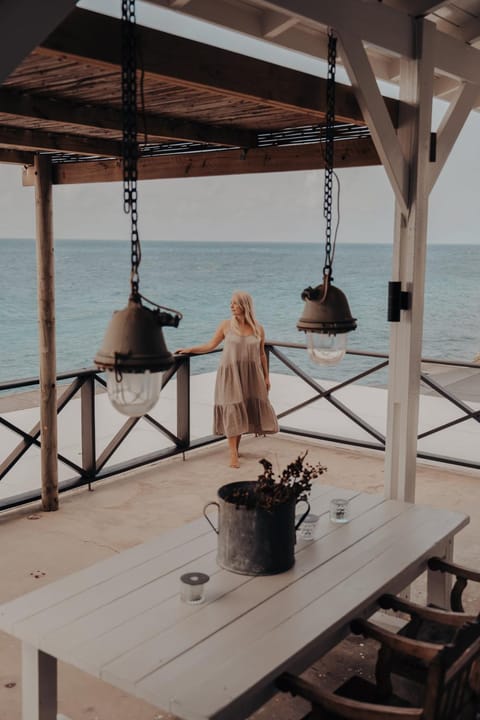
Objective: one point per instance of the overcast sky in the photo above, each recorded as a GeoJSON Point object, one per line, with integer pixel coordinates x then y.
{"type": "Point", "coordinates": [267, 207]}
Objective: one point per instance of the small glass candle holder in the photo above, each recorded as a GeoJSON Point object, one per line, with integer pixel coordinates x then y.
{"type": "Point", "coordinates": [306, 531]}
{"type": "Point", "coordinates": [339, 510]}
{"type": "Point", "coordinates": [192, 587]}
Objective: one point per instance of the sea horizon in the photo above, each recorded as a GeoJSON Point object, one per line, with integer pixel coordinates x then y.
{"type": "Point", "coordinates": [198, 277]}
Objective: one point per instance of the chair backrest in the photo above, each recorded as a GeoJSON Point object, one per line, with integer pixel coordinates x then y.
{"type": "Point", "coordinates": [449, 693]}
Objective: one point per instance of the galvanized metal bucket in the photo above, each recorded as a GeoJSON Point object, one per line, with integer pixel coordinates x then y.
{"type": "Point", "coordinates": [254, 541]}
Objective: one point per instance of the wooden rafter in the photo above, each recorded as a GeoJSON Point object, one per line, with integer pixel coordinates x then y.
{"type": "Point", "coordinates": [193, 64]}
{"type": "Point", "coordinates": [17, 157]}
{"type": "Point", "coordinates": [22, 139]}
{"type": "Point", "coordinates": [39, 107]}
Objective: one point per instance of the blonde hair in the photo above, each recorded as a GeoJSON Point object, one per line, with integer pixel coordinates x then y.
{"type": "Point", "coordinates": [245, 301]}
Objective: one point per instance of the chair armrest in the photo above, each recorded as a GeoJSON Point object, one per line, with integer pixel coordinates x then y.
{"type": "Point", "coordinates": [436, 615]}
{"type": "Point", "coordinates": [462, 575]}
{"type": "Point", "coordinates": [437, 563]}
{"type": "Point", "coordinates": [396, 643]}
{"type": "Point", "coordinates": [343, 707]}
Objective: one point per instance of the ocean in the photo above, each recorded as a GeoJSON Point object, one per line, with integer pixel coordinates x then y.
{"type": "Point", "coordinates": [198, 278]}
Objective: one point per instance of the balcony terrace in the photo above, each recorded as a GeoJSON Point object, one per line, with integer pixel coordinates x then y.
{"type": "Point", "coordinates": [133, 507]}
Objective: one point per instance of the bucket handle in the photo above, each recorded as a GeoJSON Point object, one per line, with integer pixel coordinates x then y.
{"type": "Point", "coordinates": [213, 502]}
{"type": "Point", "coordinates": [301, 519]}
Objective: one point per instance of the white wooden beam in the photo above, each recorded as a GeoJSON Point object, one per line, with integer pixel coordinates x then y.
{"type": "Point", "coordinates": [24, 25]}
{"type": "Point", "coordinates": [450, 127]}
{"type": "Point", "coordinates": [376, 23]}
{"type": "Point", "coordinates": [274, 23]}
{"type": "Point", "coordinates": [408, 267]}
{"type": "Point", "coordinates": [375, 113]}
{"type": "Point", "coordinates": [455, 58]}
{"type": "Point", "coordinates": [416, 8]}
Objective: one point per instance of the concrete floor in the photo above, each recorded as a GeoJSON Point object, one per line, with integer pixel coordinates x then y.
{"type": "Point", "coordinates": [119, 513]}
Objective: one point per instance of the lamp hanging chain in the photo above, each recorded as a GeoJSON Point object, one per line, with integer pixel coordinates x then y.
{"type": "Point", "coordinates": [129, 141]}
{"type": "Point", "coordinates": [329, 154]}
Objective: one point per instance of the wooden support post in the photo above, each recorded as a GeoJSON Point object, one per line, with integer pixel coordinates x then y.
{"type": "Point", "coordinates": [409, 256]}
{"type": "Point", "coordinates": [46, 327]}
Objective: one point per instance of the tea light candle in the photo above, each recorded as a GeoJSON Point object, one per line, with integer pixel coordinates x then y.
{"type": "Point", "coordinates": [339, 510]}
{"type": "Point", "coordinates": [192, 587]}
{"type": "Point", "coordinates": [306, 531]}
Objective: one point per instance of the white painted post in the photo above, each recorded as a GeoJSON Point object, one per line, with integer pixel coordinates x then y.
{"type": "Point", "coordinates": [416, 92]}
{"type": "Point", "coordinates": [46, 327]}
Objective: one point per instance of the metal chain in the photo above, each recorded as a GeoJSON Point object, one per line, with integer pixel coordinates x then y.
{"type": "Point", "coordinates": [329, 150]}
{"type": "Point", "coordinates": [130, 143]}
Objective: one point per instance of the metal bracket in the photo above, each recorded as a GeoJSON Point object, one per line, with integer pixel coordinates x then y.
{"type": "Point", "coordinates": [398, 300]}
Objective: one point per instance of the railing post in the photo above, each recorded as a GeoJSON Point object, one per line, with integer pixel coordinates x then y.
{"type": "Point", "coordinates": [183, 402]}
{"type": "Point", "coordinates": [87, 401]}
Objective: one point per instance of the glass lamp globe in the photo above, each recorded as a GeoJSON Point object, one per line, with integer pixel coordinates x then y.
{"type": "Point", "coordinates": [133, 393]}
{"type": "Point", "coordinates": [134, 357]}
{"type": "Point", "coordinates": [325, 348]}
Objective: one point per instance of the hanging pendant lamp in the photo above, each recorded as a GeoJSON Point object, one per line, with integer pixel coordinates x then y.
{"type": "Point", "coordinates": [326, 317]}
{"type": "Point", "coordinates": [133, 353]}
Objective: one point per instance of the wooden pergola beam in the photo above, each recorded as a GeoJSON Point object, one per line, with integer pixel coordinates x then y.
{"type": "Point", "coordinates": [22, 139]}
{"type": "Point", "coordinates": [352, 153]}
{"type": "Point", "coordinates": [192, 64]}
{"type": "Point", "coordinates": [100, 116]}
{"type": "Point", "coordinates": [17, 157]}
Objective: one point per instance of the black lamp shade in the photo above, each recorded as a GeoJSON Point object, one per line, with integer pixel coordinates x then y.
{"type": "Point", "coordinates": [134, 341]}
{"type": "Point", "coordinates": [326, 313]}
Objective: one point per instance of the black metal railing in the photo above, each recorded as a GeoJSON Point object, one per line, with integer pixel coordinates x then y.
{"type": "Point", "coordinates": [95, 464]}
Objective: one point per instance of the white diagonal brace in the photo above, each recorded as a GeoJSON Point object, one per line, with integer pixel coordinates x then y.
{"type": "Point", "coordinates": [376, 114]}
{"type": "Point", "coordinates": [23, 26]}
{"type": "Point", "coordinates": [450, 127]}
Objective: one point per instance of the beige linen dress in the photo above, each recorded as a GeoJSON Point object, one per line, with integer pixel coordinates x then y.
{"type": "Point", "coordinates": [241, 403]}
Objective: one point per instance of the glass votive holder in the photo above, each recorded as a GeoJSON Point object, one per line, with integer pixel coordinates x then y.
{"type": "Point", "coordinates": [339, 510]}
{"type": "Point", "coordinates": [306, 531]}
{"type": "Point", "coordinates": [192, 587]}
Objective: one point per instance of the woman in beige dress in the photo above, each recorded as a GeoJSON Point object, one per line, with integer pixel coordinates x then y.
{"type": "Point", "coordinates": [241, 403]}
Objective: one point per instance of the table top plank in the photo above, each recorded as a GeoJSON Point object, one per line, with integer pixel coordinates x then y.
{"type": "Point", "coordinates": [253, 608]}
{"type": "Point", "coordinates": [94, 575]}
{"type": "Point", "coordinates": [116, 638]}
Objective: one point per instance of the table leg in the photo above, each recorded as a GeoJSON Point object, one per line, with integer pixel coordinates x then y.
{"type": "Point", "coordinates": [39, 684]}
{"type": "Point", "coordinates": [439, 584]}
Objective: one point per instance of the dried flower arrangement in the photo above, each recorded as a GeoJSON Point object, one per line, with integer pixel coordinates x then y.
{"type": "Point", "coordinates": [294, 482]}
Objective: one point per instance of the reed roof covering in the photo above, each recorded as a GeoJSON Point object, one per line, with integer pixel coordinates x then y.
{"type": "Point", "coordinates": [202, 110]}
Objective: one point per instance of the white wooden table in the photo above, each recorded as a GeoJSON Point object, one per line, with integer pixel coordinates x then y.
{"type": "Point", "coordinates": [122, 619]}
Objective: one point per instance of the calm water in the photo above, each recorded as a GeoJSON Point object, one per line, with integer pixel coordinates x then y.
{"type": "Point", "coordinates": [198, 279]}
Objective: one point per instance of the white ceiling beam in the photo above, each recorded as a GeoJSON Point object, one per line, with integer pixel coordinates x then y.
{"type": "Point", "coordinates": [455, 58]}
{"type": "Point", "coordinates": [374, 111]}
{"type": "Point", "coordinates": [376, 23]}
{"type": "Point", "coordinates": [416, 8]}
{"type": "Point", "coordinates": [467, 32]}
{"type": "Point", "coordinates": [274, 23]}
{"type": "Point", "coordinates": [450, 127]}
{"type": "Point", "coordinates": [24, 25]}
{"type": "Point", "coordinates": [234, 17]}
{"type": "Point", "coordinates": [386, 27]}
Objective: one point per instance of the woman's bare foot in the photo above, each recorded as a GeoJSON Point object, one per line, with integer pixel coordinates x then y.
{"type": "Point", "coordinates": [234, 461]}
